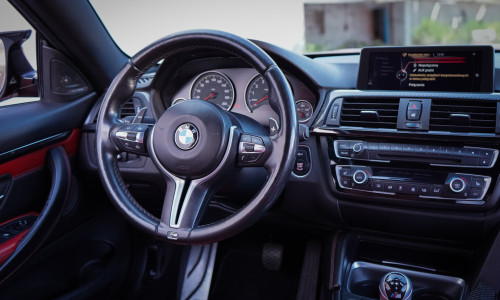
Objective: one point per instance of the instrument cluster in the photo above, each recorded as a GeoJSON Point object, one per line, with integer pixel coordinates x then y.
{"type": "Point", "coordinates": [244, 91]}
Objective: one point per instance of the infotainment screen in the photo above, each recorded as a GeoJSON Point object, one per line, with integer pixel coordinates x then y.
{"type": "Point", "coordinates": [439, 68]}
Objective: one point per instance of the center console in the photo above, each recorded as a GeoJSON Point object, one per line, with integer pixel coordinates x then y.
{"type": "Point", "coordinates": [411, 161]}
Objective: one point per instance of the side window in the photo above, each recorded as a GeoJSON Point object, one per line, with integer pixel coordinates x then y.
{"type": "Point", "coordinates": [18, 81]}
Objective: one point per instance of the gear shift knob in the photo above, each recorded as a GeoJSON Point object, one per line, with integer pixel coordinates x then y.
{"type": "Point", "coordinates": [395, 285]}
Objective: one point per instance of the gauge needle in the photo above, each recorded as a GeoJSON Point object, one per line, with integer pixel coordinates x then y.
{"type": "Point", "coordinates": [301, 114]}
{"type": "Point", "coordinates": [210, 96]}
{"type": "Point", "coordinates": [261, 100]}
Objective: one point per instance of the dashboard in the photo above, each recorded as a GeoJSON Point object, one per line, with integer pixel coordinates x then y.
{"type": "Point", "coordinates": [410, 170]}
{"type": "Point", "coordinates": [428, 160]}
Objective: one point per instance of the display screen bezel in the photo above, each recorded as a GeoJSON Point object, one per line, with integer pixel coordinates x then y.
{"type": "Point", "coordinates": [487, 64]}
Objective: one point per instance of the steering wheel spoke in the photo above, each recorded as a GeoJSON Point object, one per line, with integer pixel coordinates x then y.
{"type": "Point", "coordinates": [253, 150]}
{"type": "Point", "coordinates": [131, 138]}
{"type": "Point", "coordinates": [184, 204]}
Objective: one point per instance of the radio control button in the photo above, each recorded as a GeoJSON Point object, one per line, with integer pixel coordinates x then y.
{"type": "Point", "coordinates": [384, 147]}
{"type": "Point", "coordinates": [486, 153]}
{"type": "Point", "coordinates": [343, 145]}
{"type": "Point", "coordinates": [421, 149]}
{"type": "Point", "coordinates": [446, 150]}
{"type": "Point", "coordinates": [357, 148]}
{"type": "Point", "coordinates": [473, 152]}
{"type": "Point", "coordinates": [344, 153]}
{"type": "Point", "coordinates": [360, 177]}
{"type": "Point", "coordinates": [459, 151]}
{"type": "Point", "coordinates": [483, 162]}
{"type": "Point", "coordinates": [373, 146]}
{"type": "Point", "coordinates": [408, 148]}
{"type": "Point", "coordinates": [396, 147]}
{"type": "Point", "coordinates": [457, 185]}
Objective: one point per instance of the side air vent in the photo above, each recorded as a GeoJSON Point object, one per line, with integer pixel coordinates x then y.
{"type": "Point", "coordinates": [145, 80]}
{"type": "Point", "coordinates": [370, 112]}
{"type": "Point", "coordinates": [463, 116]}
{"type": "Point", "coordinates": [127, 109]}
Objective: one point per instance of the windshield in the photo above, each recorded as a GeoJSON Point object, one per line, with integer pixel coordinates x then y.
{"type": "Point", "coordinates": [308, 26]}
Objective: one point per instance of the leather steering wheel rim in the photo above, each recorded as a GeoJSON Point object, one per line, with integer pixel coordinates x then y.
{"type": "Point", "coordinates": [278, 164]}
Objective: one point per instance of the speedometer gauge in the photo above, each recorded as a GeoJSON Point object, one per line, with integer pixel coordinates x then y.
{"type": "Point", "coordinates": [257, 93]}
{"type": "Point", "coordinates": [304, 110]}
{"type": "Point", "coordinates": [214, 87]}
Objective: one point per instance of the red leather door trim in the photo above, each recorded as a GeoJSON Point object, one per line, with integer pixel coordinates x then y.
{"type": "Point", "coordinates": [36, 159]}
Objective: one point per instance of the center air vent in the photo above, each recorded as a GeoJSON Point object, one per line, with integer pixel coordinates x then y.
{"type": "Point", "coordinates": [463, 116]}
{"type": "Point", "coordinates": [370, 112]}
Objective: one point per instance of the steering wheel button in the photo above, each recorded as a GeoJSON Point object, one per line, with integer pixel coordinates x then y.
{"type": "Point", "coordinates": [249, 147]}
{"type": "Point", "coordinates": [131, 136]}
{"type": "Point", "coordinates": [253, 157]}
{"type": "Point", "coordinates": [129, 127]}
{"type": "Point", "coordinates": [138, 147]}
{"type": "Point", "coordinates": [257, 140]}
{"type": "Point", "coordinates": [245, 138]}
{"type": "Point", "coordinates": [127, 144]}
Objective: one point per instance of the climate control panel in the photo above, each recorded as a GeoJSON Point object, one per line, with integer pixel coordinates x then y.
{"type": "Point", "coordinates": [423, 184]}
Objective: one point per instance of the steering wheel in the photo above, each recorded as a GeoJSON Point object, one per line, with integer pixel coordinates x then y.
{"type": "Point", "coordinates": [196, 145]}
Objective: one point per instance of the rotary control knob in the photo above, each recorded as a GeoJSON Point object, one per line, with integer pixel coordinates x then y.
{"type": "Point", "coordinates": [457, 185]}
{"type": "Point", "coordinates": [357, 148]}
{"type": "Point", "coordinates": [360, 177]}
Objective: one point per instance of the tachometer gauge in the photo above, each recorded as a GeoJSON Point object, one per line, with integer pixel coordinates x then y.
{"type": "Point", "coordinates": [257, 93]}
{"type": "Point", "coordinates": [304, 110]}
{"type": "Point", "coordinates": [214, 87]}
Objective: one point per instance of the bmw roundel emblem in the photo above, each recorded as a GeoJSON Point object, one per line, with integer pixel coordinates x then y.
{"type": "Point", "coordinates": [186, 136]}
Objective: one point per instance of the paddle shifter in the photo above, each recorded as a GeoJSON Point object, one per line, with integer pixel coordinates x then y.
{"type": "Point", "coordinates": [395, 285]}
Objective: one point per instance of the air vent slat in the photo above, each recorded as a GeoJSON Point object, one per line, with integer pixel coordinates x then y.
{"type": "Point", "coordinates": [127, 109]}
{"type": "Point", "coordinates": [463, 116]}
{"type": "Point", "coordinates": [370, 112]}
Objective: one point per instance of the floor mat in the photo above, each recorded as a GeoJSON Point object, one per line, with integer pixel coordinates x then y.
{"type": "Point", "coordinates": [242, 276]}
